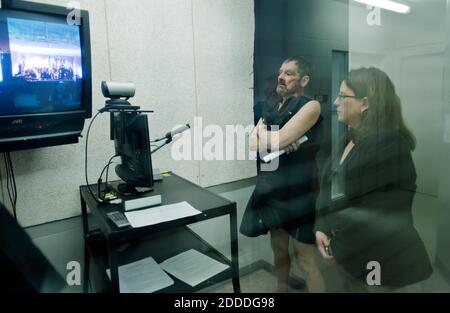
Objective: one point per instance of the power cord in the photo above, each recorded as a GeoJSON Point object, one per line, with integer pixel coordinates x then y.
{"type": "Point", "coordinates": [11, 183]}
{"type": "Point", "coordinates": [14, 184]}
{"type": "Point", "coordinates": [98, 199]}
{"type": "Point", "coordinates": [99, 181]}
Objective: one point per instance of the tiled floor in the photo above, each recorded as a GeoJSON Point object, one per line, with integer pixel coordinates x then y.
{"type": "Point", "coordinates": [260, 281]}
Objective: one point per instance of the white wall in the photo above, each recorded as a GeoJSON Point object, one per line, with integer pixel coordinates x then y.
{"type": "Point", "coordinates": [410, 49]}
{"type": "Point", "coordinates": [188, 58]}
{"type": "Point", "coordinates": [419, 59]}
{"type": "Point", "coordinates": [224, 39]}
{"type": "Point", "coordinates": [443, 236]}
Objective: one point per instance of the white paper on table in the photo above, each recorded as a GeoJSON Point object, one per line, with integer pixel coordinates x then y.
{"type": "Point", "coordinates": [142, 276]}
{"type": "Point", "coordinates": [160, 214]}
{"type": "Point", "coordinates": [192, 267]}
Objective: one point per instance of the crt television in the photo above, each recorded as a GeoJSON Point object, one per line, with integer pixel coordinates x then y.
{"type": "Point", "coordinates": [132, 143]}
{"type": "Point", "coordinates": [45, 75]}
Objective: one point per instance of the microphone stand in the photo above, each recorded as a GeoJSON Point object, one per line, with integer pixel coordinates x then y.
{"type": "Point", "coordinates": [168, 138]}
{"type": "Point", "coordinates": [159, 147]}
{"type": "Point", "coordinates": [167, 141]}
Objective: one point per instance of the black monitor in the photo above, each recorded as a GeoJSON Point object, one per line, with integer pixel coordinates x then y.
{"type": "Point", "coordinates": [45, 75]}
{"type": "Point", "coordinates": [132, 143]}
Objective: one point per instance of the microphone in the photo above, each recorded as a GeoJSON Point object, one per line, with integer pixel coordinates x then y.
{"type": "Point", "coordinates": [169, 136]}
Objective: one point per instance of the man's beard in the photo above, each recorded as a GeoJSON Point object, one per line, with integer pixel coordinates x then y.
{"type": "Point", "coordinates": [282, 91]}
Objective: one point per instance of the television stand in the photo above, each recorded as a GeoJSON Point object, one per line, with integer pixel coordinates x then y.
{"type": "Point", "coordinates": [104, 243]}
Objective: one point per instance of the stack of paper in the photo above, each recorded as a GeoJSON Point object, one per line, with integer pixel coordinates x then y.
{"type": "Point", "coordinates": [142, 276]}
{"type": "Point", "coordinates": [192, 267]}
{"type": "Point", "coordinates": [160, 214]}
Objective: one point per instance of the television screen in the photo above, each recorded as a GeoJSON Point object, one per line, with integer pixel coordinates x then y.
{"type": "Point", "coordinates": [1, 70]}
{"type": "Point", "coordinates": [41, 66]}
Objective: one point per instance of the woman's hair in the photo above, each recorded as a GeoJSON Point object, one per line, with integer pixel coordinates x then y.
{"type": "Point", "coordinates": [384, 114]}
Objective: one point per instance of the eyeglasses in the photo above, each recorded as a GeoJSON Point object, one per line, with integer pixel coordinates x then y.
{"type": "Point", "coordinates": [342, 96]}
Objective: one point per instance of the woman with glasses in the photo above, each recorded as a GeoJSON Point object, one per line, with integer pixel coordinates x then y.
{"type": "Point", "coordinates": [369, 231]}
